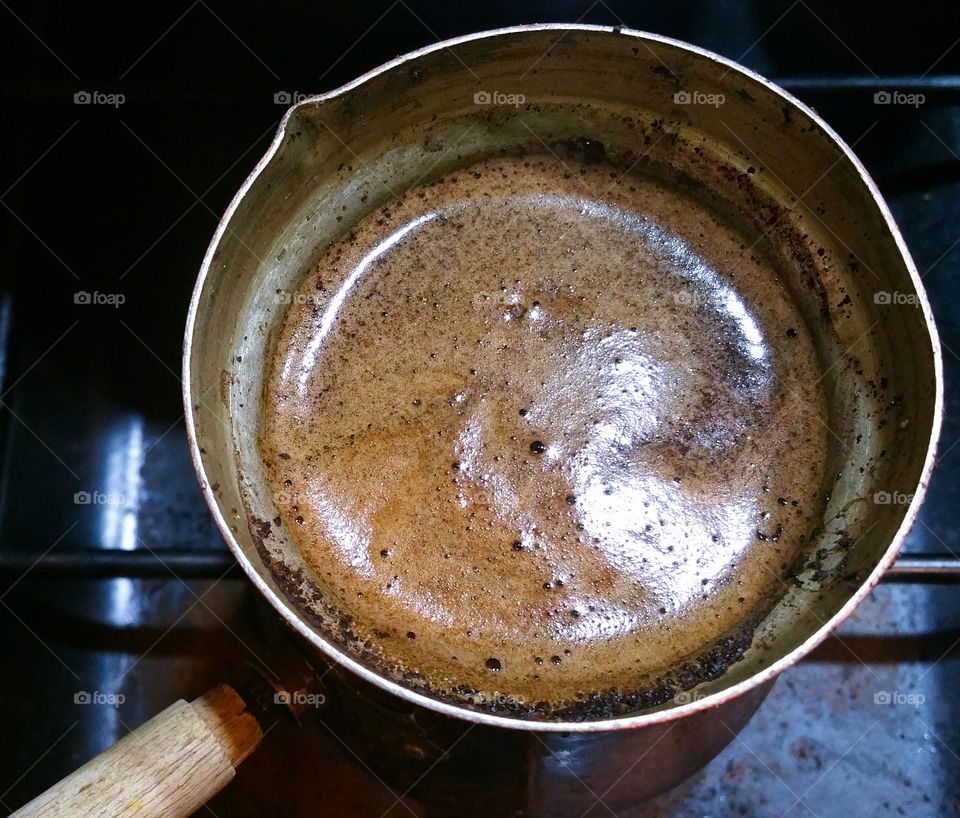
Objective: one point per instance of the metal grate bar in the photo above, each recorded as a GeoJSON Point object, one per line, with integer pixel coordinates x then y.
{"type": "Point", "coordinates": [944, 83]}
{"type": "Point", "coordinates": [95, 563]}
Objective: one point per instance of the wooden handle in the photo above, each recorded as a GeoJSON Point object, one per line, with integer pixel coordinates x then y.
{"type": "Point", "coordinates": [168, 767]}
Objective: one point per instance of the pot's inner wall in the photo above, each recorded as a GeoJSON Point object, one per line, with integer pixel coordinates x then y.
{"type": "Point", "coordinates": [749, 153]}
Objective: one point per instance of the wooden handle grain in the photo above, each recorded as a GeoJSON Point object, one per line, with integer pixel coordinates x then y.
{"type": "Point", "coordinates": [168, 767]}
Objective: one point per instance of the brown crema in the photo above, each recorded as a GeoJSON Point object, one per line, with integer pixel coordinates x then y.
{"type": "Point", "coordinates": [545, 432]}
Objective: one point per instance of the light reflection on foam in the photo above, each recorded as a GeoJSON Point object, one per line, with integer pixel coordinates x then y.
{"type": "Point", "coordinates": [670, 540]}
{"type": "Point", "coordinates": [598, 618]}
{"type": "Point", "coordinates": [479, 480]}
{"type": "Point", "coordinates": [646, 526]}
{"type": "Point", "coordinates": [735, 307]}
{"type": "Point", "coordinates": [683, 260]}
{"type": "Point", "coordinates": [333, 307]}
{"type": "Point", "coordinates": [349, 533]}
{"type": "Point", "coordinates": [673, 249]}
{"type": "Point", "coordinates": [423, 602]}
{"type": "Point", "coordinates": [656, 532]}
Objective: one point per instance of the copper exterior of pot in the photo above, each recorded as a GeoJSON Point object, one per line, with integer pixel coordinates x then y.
{"type": "Point", "coordinates": [478, 770]}
{"type": "Point", "coordinates": [332, 147]}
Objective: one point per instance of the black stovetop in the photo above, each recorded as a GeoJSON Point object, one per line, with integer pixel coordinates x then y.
{"type": "Point", "coordinates": [127, 131]}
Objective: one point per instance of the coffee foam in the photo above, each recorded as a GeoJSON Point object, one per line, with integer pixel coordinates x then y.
{"type": "Point", "coordinates": [550, 433]}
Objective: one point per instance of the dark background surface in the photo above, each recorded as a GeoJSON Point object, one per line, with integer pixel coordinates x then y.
{"type": "Point", "coordinates": [123, 200]}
